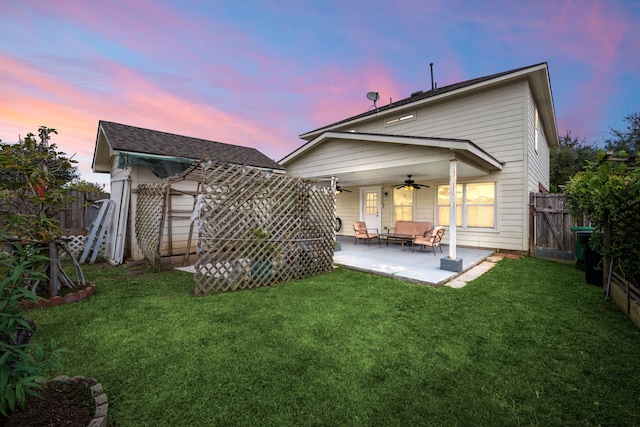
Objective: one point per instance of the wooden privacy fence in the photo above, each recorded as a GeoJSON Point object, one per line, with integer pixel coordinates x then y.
{"type": "Point", "coordinates": [258, 228]}
{"type": "Point", "coordinates": [73, 218]}
{"type": "Point", "coordinates": [550, 222]}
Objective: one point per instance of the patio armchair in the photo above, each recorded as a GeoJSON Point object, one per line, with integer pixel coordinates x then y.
{"type": "Point", "coordinates": [432, 239]}
{"type": "Point", "coordinates": [368, 234]}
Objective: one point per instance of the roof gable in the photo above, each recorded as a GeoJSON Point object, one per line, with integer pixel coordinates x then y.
{"type": "Point", "coordinates": [131, 139]}
{"type": "Point", "coordinates": [538, 75]}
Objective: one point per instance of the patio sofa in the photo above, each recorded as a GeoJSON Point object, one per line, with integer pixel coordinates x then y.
{"type": "Point", "coordinates": [406, 231]}
{"type": "Point", "coordinates": [412, 228]}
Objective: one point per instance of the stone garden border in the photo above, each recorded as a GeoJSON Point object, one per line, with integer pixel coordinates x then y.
{"type": "Point", "coordinates": [72, 297]}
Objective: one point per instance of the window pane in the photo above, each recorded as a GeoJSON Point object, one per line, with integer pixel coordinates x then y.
{"type": "Point", "coordinates": [443, 215]}
{"type": "Point", "coordinates": [402, 197]}
{"type": "Point", "coordinates": [480, 216]}
{"type": "Point", "coordinates": [443, 194]}
{"type": "Point", "coordinates": [481, 194]}
{"type": "Point", "coordinates": [403, 213]}
{"type": "Point", "coordinates": [371, 203]}
{"type": "Point", "coordinates": [402, 205]}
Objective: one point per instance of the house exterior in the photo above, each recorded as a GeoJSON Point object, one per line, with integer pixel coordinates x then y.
{"type": "Point", "coordinates": [134, 156]}
{"type": "Point", "coordinates": [489, 138]}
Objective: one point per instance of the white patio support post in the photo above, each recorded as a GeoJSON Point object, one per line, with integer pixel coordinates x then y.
{"type": "Point", "coordinates": [453, 209]}
{"type": "Point", "coordinates": [452, 263]}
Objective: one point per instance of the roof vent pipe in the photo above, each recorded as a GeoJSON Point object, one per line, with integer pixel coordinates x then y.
{"type": "Point", "coordinates": [433, 87]}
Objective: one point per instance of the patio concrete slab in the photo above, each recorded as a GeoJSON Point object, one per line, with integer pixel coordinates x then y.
{"type": "Point", "coordinates": [399, 262]}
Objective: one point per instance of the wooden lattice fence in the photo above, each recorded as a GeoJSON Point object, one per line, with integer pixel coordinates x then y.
{"type": "Point", "coordinates": [149, 219]}
{"type": "Point", "coordinates": [258, 228]}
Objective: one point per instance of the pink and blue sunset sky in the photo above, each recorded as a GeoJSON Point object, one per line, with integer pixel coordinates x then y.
{"type": "Point", "coordinates": [260, 73]}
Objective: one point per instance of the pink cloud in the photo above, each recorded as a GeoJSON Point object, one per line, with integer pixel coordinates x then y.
{"type": "Point", "coordinates": [32, 97]}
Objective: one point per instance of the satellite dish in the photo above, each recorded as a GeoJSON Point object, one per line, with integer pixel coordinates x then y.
{"type": "Point", "coordinates": [373, 96]}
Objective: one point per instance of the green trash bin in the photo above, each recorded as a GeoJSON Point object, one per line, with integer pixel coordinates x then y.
{"type": "Point", "coordinates": [579, 248]}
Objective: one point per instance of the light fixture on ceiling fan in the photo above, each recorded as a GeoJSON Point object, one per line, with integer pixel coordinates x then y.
{"type": "Point", "coordinates": [340, 190]}
{"type": "Point", "coordinates": [410, 185]}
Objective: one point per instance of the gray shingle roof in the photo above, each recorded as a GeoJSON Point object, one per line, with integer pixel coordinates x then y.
{"type": "Point", "coordinates": [139, 140]}
{"type": "Point", "coordinates": [420, 95]}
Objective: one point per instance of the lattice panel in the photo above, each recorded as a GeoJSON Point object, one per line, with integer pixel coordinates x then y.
{"type": "Point", "coordinates": [75, 244]}
{"type": "Point", "coordinates": [259, 229]}
{"type": "Point", "coordinates": [149, 213]}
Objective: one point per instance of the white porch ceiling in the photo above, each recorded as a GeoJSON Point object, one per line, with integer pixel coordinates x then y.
{"type": "Point", "coordinates": [423, 172]}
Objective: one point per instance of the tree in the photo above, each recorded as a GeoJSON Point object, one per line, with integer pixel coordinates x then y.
{"type": "Point", "coordinates": [32, 179]}
{"type": "Point", "coordinates": [568, 158]}
{"type": "Point", "coordinates": [85, 186]}
{"type": "Point", "coordinates": [32, 176]}
{"type": "Point", "coordinates": [627, 140]}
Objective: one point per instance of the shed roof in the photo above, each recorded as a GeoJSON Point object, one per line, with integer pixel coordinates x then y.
{"type": "Point", "coordinates": [132, 139]}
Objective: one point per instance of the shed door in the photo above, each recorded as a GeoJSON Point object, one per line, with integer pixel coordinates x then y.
{"type": "Point", "coordinates": [370, 205]}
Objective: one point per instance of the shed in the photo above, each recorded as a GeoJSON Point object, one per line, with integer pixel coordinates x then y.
{"type": "Point", "coordinates": [134, 156]}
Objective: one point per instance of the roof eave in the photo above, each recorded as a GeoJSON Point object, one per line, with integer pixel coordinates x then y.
{"type": "Point", "coordinates": [464, 146]}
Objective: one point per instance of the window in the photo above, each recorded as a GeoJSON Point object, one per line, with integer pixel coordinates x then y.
{"type": "Point", "coordinates": [475, 205]}
{"type": "Point", "coordinates": [402, 205]}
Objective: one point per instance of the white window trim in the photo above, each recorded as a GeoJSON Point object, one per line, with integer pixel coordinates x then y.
{"type": "Point", "coordinates": [464, 206]}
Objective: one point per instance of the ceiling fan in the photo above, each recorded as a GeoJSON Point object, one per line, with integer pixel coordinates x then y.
{"type": "Point", "coordinates": [410, 184]}
{"type": "Point", "coordinates": [340, 190]}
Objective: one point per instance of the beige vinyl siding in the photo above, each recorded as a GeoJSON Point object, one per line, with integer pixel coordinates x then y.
{"type": "Point", "coordinates": [491, 119]}
{"type": "Point", "coordinates": [348, 210]}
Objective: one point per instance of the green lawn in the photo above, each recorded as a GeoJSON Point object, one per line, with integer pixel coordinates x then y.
{"type": "Point", "coordinates": [528, 343]}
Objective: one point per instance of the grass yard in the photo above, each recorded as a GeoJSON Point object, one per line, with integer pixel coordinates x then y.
{"type": "Point", "coordinates": [528, 343]}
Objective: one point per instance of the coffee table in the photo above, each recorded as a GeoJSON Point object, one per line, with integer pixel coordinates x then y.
{"type": "Point", "coordinates": [399, 238]}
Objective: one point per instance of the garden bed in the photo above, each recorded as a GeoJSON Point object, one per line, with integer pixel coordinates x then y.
{"type": "Point", "coordinates": [69, 402]}
{"type": "Point", "coordinates": [68, 298]}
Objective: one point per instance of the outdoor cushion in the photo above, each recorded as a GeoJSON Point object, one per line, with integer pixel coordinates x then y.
{"type": "Point", "coordinates": [362, 232]}
{"type": "Point", "coordinates": [433, 239]}
{"type": "Point", "coordinates": [412, 228]}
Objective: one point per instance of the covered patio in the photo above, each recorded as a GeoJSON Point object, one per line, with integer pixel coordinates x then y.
{"type": "Point", "coordinates": [396, 261]}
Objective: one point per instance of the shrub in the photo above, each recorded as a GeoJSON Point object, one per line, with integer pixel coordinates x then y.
{"type": "Point", "coordinates": [21, 363]}
{"type": "Point", "coordinates": [608, 192]}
